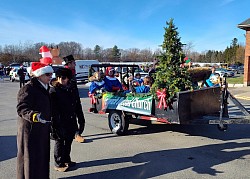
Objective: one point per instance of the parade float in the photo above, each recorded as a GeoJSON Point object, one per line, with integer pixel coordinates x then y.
{"type": "Point", "coordinates": [174, 98]}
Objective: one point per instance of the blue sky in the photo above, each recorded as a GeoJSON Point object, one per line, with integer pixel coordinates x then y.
{"type": "Point", "coordinates": [207, 24]}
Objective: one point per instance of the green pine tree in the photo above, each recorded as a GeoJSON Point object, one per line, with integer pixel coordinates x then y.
{"type": "Point", "coordinates": [116, 54]}
{"type": "Point", "coordinates": [97, 52]}
{"type": "Point", "coordinates": [169, 74]}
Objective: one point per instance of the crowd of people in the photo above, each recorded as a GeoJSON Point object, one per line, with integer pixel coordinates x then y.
{"type": "Point", "coordinates": [101, 82]}
{"type": "Point", "coordinates": [48, 111]}
{"type": "Point", "coordinates": [52, 110]}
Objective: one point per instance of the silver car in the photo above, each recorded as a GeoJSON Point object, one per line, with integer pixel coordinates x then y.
{"type": "Point", "coordinates": [224, 72]}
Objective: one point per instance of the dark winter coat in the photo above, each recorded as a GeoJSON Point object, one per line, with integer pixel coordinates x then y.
{"type": "Point", "coordinates": [21, 72]}
{"type": "Point", "coordinates": [66, 109]}
{"type": "Point", "coordinates": [33, 141]}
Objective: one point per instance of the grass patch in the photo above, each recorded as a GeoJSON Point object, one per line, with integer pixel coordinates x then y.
{"type": "Point", "coordinates": [235, 80]}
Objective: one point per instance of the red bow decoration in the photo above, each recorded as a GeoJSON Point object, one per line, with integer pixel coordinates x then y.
{"type": "Point", "coordinates": [162, 98]}
{"type": "Point", "coordinates": [92, 98]}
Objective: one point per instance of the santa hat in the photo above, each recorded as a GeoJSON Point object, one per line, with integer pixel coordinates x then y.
{"type": "Point", "coordinates": [45, 51]}
{"type": "Point", "coordinates": [39, 69]}
{"type": "Point", "coordinates": [109, 70]}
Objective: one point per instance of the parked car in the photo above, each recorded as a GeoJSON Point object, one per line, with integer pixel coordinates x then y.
{"type": "Point", "coordinates": [14, 65]}
{"type": "Point", "coordinates": [15, 76]}
{"type": "Point", "coordinates": [224, 72]}
{"type": "Point", "coordinates": [220, 72]}
{"type": "Point", "coordinates": [234, 68]}
{"type": "Point", "coordinates": [240, 70]}
{"type": "Point", "coordinates": [230, 73]}
{"type": "Point", "coordinates": [14, 68]}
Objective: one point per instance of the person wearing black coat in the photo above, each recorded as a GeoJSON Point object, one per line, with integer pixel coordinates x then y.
{"type": "Point", "coordinates": [21, 73]}
{"type": "Point", "coordinates": [33, 125]}
{"type": "Point", "coordinates": [67, 117]}
{"type": "Point", "coordinates": [71, 64]}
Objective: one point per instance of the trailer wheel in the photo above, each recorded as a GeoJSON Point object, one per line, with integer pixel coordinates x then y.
{"type": "Point", "coordinates": [118, 123]}
{"type": "Point", "coordinates": [222, 127]}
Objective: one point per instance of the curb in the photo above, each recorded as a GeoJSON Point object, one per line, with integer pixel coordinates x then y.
{"type": "Point", "coordinates": [242, 97]}
{"type": "Point", "coordinates": [235, 85]}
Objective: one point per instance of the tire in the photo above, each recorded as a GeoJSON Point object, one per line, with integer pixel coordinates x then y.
{"type": "Point", "coordinates": [12, 79]}
{"type": "Point", "coordinates": [118, 123]}
{"type": "Point", "coordinates": [223, 127]}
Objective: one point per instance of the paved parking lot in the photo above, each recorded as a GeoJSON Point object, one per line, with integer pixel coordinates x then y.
{"type": "Point", "coordinates": [155, 151]}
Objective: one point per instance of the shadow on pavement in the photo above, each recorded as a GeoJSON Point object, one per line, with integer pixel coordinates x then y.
{"type": "Point", "coordinates": [201, 159]}
{"type": "Point", "coordinates": [234, 131]}
{"type": "Point", "coordinates": [91, 138]}
{"type": "Point", "coordinates": [8, 147]}
{"type": "Point", "coordinates": [83, 92]}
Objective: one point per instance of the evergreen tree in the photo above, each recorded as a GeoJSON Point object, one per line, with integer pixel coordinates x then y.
{"type": "Point", "coordinates": [97, 52]}
{"type": "Point", "coordinates": [234, 46]}
{"type": "Point", "coordinates": [169, 75]}
{"type": "Point", "coordinates": [116, 55]}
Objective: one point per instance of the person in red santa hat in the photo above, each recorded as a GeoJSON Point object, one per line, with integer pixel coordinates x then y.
{"type": "Point", "coordinates": [34, 115]}
{"type": "Point", "coordinates": [112, 84]}
{"type": "Point", "coordinates": [46, 55]}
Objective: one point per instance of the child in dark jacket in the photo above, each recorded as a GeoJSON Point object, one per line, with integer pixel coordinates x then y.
{"type": "Point", "coordinates": [67, 117]}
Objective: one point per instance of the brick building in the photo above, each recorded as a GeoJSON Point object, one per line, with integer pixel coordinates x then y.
{"type": "Point", "coordinates": [245, 25]}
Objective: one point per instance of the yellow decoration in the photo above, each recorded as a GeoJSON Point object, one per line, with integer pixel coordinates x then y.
{"type": "Point", "coordinates": [34, 118]}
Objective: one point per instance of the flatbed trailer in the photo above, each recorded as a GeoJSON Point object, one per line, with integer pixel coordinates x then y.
{"type": "Point", "coordinates": [202, 106]}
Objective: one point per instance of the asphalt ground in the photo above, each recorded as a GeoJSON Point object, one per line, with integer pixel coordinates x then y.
{"type": "Point", "coordinates": [241, 93]}
{"type": "Point", "coordinates": [148, 151]}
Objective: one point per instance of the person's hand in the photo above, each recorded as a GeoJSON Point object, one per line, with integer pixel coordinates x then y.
{"type": "Point", "coordinates": [37, 118]}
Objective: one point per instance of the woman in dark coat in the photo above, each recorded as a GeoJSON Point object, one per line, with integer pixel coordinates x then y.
{"type": "Point", "coordinates": [34, 115]}
{"type": "Point", "coordinates": [66, 109]}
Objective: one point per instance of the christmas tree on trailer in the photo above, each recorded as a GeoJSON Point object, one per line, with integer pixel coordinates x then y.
{"type": "Point", "coordinates": [170, 77]}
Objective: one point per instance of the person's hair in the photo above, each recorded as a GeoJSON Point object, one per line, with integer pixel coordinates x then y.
{"type": "Point", "coordinates": [64, 72]}
{"type": "Point", "coordinates": [137, 74]}
{"type": "Point", "coordinates": [96, 74]}
{"type": "Point", "coordinates": [147, 80]}
{"type": "Point", "coordinates": [93, 77]}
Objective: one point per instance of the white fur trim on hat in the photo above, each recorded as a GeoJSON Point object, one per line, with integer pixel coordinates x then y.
{"type": "Point", "coordinates": [42, 71]}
